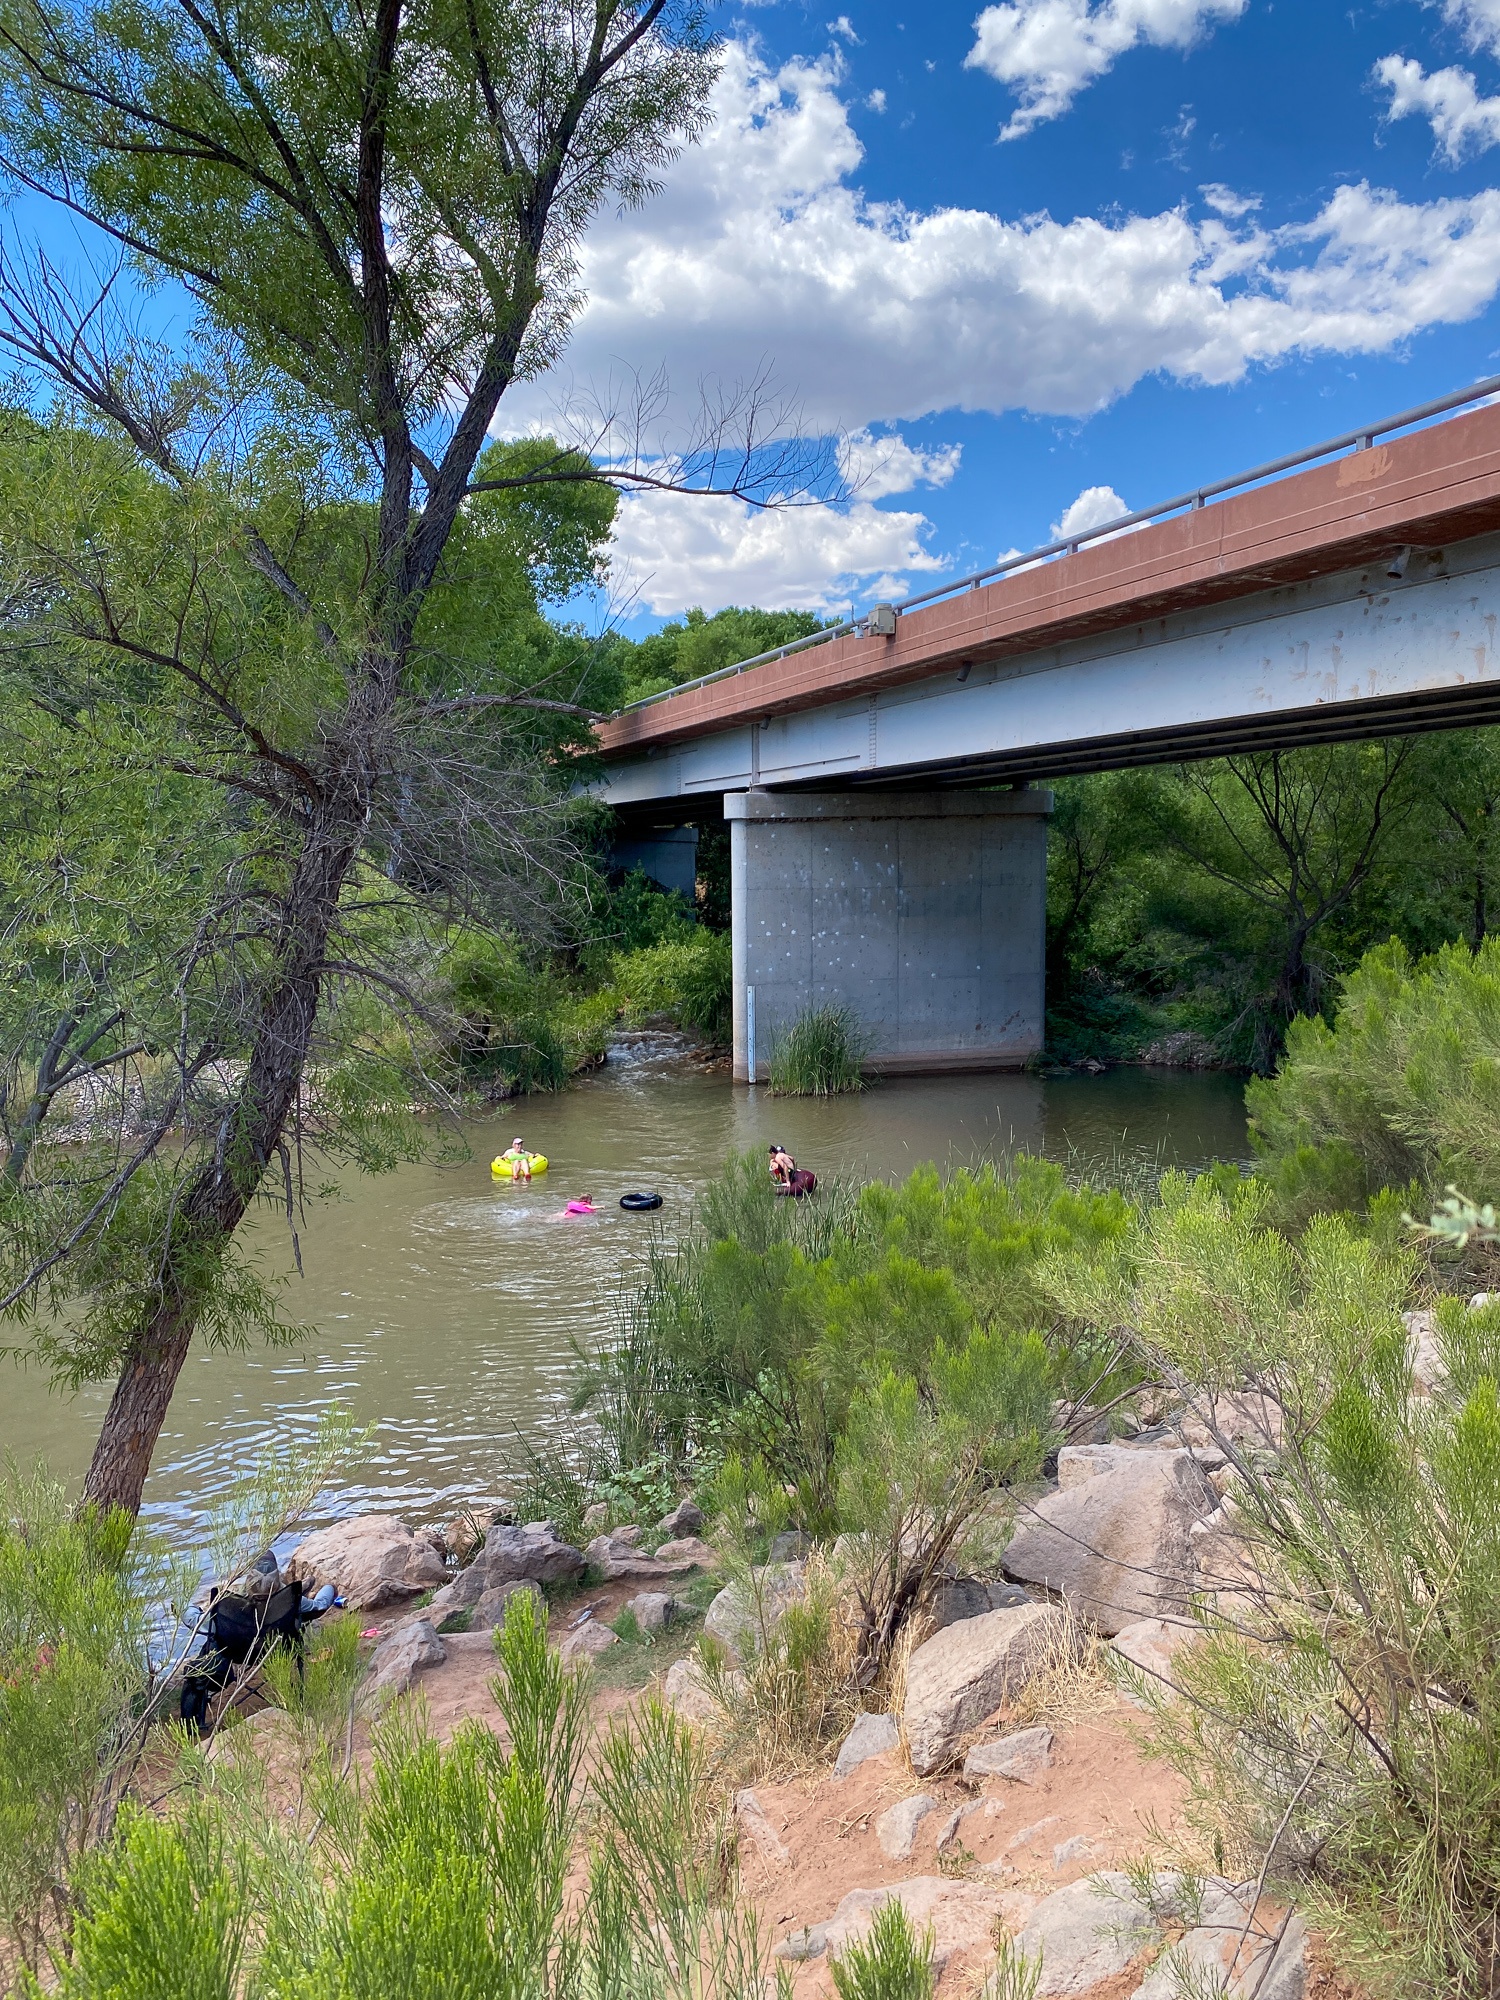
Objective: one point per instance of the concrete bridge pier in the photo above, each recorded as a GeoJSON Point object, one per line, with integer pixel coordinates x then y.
{"type": "Point", "coordinates": [924, 913]}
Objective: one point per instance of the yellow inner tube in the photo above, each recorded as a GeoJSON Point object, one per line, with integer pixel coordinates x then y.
{"type": "Point", "coordinates": [502, 1169]}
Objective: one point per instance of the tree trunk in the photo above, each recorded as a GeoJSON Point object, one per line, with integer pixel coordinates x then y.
{"type": "Point", "coordinates": [137, 1411]}
{"type": "Point", "coordinates": [223, 1189]}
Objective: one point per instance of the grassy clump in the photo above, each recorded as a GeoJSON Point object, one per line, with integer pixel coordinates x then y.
{"type": "Point", "coordinates": [891, 1963]}
{"type": "Point", "coordinates": [820, 1055]}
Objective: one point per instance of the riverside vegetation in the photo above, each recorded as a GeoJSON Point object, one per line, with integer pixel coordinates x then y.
{"type": "Point", "coordinates": [884, 1375]}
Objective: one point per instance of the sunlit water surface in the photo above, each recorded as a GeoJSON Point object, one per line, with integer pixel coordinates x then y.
{"type": "Point", "coordinates": [442, 1306]}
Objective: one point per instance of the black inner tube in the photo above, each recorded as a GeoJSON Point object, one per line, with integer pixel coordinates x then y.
{"type": "Point", "coordinates": [640, 1201]}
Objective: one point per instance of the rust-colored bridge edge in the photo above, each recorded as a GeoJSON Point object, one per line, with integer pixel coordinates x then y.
{"type": "Point", "coordinates": [1434, 486]}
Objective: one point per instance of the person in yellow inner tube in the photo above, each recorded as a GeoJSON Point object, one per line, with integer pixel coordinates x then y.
{"type": "Point", "coordinates": [520, 1160]}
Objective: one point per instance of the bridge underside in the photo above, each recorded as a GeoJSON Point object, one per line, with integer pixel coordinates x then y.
{"type": "Point", "coordinates": [1355, 654]}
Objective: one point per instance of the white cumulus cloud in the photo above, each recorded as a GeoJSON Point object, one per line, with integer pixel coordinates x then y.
{"type": "Point", "coordinates": [1094, 506]}
{"type": "Point", "coordinates": [1462, 121]}
{"type": "Point", "coordinates": [673, 551]}
{"type": "Point", "coordinates": [1047, 51]}
{"type": "Point", "coordinates": [877, 466]}
{"type": "Point", "coordinates": [762, 249]}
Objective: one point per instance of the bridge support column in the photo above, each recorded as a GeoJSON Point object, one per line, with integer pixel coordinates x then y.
{"type": "Point", "coordinates": [924, 913]}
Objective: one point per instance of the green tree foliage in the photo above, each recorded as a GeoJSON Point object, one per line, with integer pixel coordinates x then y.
{"type": "Point", "coordinates": [278, 582]}
{"type": "Point", "coordinates": [1343, 1707]}
{"type": "Point", "coordinates": [683, 650]}
{"type": "Point", "coordinates": [901, 1331]}
{"type": "Point", "coordinates": [1402, 1087]}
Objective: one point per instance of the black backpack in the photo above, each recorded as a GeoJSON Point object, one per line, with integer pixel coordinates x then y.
{"type": "Point", "coordinates": [239, 1631]}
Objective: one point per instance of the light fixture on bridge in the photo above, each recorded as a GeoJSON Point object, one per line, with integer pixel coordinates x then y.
{"type": "Point", "coordinates": [1396, 567]}
{"type": "Point", "coordinates": [881, 622]}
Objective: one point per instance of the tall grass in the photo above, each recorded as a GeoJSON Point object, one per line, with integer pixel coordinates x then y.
{"type": "Point", "coordinates": [820, 1055]}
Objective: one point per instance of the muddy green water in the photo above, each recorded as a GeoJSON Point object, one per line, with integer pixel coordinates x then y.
{"type": "Point", "coordinates": [441, 1306]}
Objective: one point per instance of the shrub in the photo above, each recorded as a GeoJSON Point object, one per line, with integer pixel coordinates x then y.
{"type": "Point", "coordinates": [688, 978]}
{"type": "Point", "coordinates": [819, 1055]}
{"type": "Point", "coordinates": [75, 1679]}
{"type": "Point", "coordinates": [1344, 1713]}
{"type": "Point", "coordinates": [1404, 1085]}
{"type": "Point", "coordinates": [891, 1964]}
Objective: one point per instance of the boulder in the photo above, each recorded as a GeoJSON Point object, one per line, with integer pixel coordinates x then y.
{"type": "Point", "coordinates": [1149, 1645]}
{"type": "Point", "coordinates": [752, 1822]}
{"type": "Point", "coordinates": [896, 1828]}
{"type": "Point", "coordinates": [1228, 1951]}
{"type": "Point", "coordinates": [947, 1833]}
{"type": "Point", "coordinates": [686, 1518]}
{"type": "Point", "coordinates": [1088, 1933]}
{"type": "Point", "coordinates": [652, 1610]}
{"type": "Point", "coordinates": [686, 1691]}
{"type": "Point", "coordinates": [958, 1677]}
{"type": "Point", "coordinates": [871, 1736]}
{"type": "Point", "coordinates": [790, 1546]}
{"type": "Point", "coordinates": [957, 1597]}
{"type": "Point", "coordinates": [596, 1516]}
{"type": "Point", "coordinates": [489, 1611]}
{"type": "Point", "coordinates": [535, 1553]}
{"type": "Point", "coordinates": [741, 1611]}
{"type": "Point", "coordinates": [465, 1533]}
{"type": "Point", "coordinates": [1116, 1544]}
{"type": "Point", "coordinates": [687, 1552]}
{"type": "Point", "coordinates": [962, 1914]}
{"type": "Point", "coordinates": [810, 1941]}
{"type": "Point", "coordinates": [1018, 1756]}
{"type": "Point", "coordinates": [586, 1643]}
{"type": "Point", "coordinates": [631, 1535]}
{"type": "Point", "coordinates": [615, 1561]}
{"type": "Point", "coordinates": [371, 1561]}
{"type": "Point", "coordinates": [398, 1659]}
{"type": "Point", "coordinates": [1429, 1373]}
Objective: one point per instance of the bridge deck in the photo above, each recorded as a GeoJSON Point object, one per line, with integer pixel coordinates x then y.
{"type": "Point", "coordinates": [1425, 491]}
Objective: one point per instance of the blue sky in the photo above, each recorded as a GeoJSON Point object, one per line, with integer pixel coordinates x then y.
{"type": "Point", "coordinates": [1026, 263]}
{"type": "Point", "coordinates": [1050, 246]}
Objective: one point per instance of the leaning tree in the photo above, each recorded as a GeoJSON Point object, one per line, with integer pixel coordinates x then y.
{"type": "Point", "coordinates": [263, 689]}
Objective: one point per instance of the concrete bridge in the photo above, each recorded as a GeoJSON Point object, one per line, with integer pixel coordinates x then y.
{"type": "Point", "coordinates": [888, 838]}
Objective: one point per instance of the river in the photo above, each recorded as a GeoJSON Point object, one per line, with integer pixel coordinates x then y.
{"type": "Point", "coordinates": [442, 1306]}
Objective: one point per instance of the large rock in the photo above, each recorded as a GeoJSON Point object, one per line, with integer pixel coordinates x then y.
{"type": "Point", "coordinates": [687, 1552]}
{"type": "Point", "coordinates": [1018, 1756]}
{"type": "Point", "coordinates": [896, 1828]}
{"type": "Point", "coordinates": [742, 1612]}
{"type": "Point", "coordinates": [1231, 1952]}
{"type": "Point", "coordinates": [871, 1736]}
{"type": "Point", "coordinates": [1085, 1934]}
{"type": "Point", "coordinates": [688, 1693]}
{"type": "Point", "coordinates": [1149, 1646]}
{"type": "Point", "coordinates": [535, 1553]}
{"type": "Point", "coordinates": [960, 1676]}
{"type": "Point", "coordinates": [586, 1644]}
{"type": "Point", "coordinates": [397, 1660]}
{"type": "Point", "coordinates": [616, 1561]}
{"type": "Point", "coordinates": [652, 1610]}
{"type": "Point", "coordinates": [1116, 1544]}
{"type": "Point", "coordinates": [753, 1823]}
{"type": "Point", "coordinates": [490, 1609]}
{"type": "Point", "coordinates": [686, 1518]}
{"type": "Point", "coordinates": [962, 1915]}
{"type": "Point", "coordinates": [955, 1598]}
{"type": "Point", "coordinates": [371, 1561]}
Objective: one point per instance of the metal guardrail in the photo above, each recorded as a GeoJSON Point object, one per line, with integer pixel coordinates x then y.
{"type": "Point", "coordinates": [1358, 440]}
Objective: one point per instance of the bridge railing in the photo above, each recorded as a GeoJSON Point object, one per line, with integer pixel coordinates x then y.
{"type": "Point", "coordinates": [1356, 440]}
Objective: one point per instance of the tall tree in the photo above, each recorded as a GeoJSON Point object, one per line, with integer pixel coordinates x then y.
{"type": "Point", "coordinates": [244, 582]}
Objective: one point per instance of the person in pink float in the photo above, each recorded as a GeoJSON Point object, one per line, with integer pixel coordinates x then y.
{"type": "Point", "coordinates": [582, 1204]}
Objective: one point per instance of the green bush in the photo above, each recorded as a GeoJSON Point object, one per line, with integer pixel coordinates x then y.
{"type": "Point", "coordinates": [819, 1055]}
{"type": "Point", "coordinates": [75, 1679]}
{"type": "Point", "coordinates": [688, 978]}
{"type": "Point", "coordinates": [892, 1963]}
{"type": "Point", "coordinates": [1343, 1720]}
{"type": "Point", "coordinates": [1403, 1087]}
